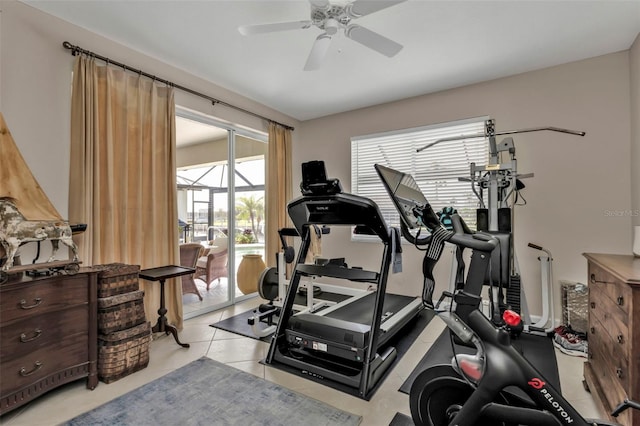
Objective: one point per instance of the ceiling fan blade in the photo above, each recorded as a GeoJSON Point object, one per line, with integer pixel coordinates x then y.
{"type": "Point", "coordinates": [320, 4]}
{"type": "Point", "coordinates": [365, 7]}
{"type": "Point", "coordinates": [269, 28]}
{"type": "Point", "coordinates": [373, 40]}
{"type": "Point", "coordinates": [318, 52]}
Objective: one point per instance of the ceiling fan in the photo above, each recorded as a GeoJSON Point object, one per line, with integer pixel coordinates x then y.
{"type": "Point", "coordinates": [333, 17]}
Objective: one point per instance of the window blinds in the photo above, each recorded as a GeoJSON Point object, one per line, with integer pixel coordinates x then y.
{"type": "Point", "coordinates": [436, 169]}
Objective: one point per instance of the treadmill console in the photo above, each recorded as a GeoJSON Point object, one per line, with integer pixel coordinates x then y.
{"type": "Point", "coordinates": [315, 182]}
{"type": "Point", "coordinates": [324, 203]}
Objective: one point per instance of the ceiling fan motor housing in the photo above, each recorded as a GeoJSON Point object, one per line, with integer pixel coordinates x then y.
{"type": "Point", "coordinates": [330, 19]}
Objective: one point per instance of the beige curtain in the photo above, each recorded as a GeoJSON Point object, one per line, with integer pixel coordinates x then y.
{"type": "Point", "coordinates": [123, 175]}
{"type": "Point", "coordinates": [278, 188]}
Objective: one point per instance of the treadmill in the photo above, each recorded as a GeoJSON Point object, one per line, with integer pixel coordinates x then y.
{"type": "Point", "coordinates": [347, 342]}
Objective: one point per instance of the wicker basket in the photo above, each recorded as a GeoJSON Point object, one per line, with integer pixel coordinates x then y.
{"type": "Point", "coordinates": [575, 305]}
{"type": "Point", "coordinates": [117, 278]}
{"type": "Point", "coordinates": [123, 353]}
{"type": "Point", "coordinates": [120, 312]}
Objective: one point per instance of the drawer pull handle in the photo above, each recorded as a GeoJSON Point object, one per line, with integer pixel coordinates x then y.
{"type": "Point", "coordinates": [36, 366]}
{"type": "Point", "coordinates": [620, 300]}
{"type": "Point", "coordinates": [619, 372]}
{"type": "Point", "coordinates": [620, 338]}
{"type": "Point", "coordinates": [23, 303]}
{"type": "Point", "coordinates": [593, 305]}
{"type": "Point", "coordinates": [36, 333]}
{"type": "Point", "coordinates": [593, 280]}
{"type": "Point", "coordinates": [593, 330]}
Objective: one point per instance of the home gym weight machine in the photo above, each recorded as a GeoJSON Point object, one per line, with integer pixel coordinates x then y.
{"type": "Point", "coordinates": [501, 181]}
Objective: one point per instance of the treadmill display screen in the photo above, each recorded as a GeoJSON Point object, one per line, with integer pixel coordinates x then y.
{"type": "Point", "coordinates": [404, 191]}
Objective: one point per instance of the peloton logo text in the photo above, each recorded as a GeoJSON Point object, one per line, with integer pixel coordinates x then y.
{"type": "Point", "coordinates": [539, 385]}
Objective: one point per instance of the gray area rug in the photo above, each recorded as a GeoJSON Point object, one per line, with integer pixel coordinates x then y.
{"type": "Point", "coordinates": [206, 392]}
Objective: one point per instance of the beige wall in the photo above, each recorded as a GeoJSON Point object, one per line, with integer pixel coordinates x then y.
{"type": "Point", "coordinates": [634, 62]}
{"type": "Point", "coordinates": [35, 85]}
{"type": "Point", "coordinates": [577, 180]}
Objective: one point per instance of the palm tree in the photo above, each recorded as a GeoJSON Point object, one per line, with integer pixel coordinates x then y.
{"type": "Point", "coordinates": [250, 208]}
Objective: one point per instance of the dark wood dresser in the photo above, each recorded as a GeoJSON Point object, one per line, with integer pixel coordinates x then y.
{"type": "Point", "coordinates": [48, 335]}
{"type": "Point", "coordinates": [612, 372]}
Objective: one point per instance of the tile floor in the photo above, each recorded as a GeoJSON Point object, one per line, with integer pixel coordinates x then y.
{"type": "Point", "coordinates": [243, 353]}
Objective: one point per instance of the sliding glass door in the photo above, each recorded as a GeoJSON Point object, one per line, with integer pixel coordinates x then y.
{"type": "Point", "coordinates": [249, 198]}
{"type": "Point", "coordinates": [219, 207]}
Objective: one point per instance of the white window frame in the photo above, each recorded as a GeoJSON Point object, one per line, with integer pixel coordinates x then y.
{"type": "Point", "coordinates": [436, 169]}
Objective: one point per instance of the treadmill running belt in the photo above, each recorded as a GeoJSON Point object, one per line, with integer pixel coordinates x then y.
{"type": "Point", "coordinates": [361, 310]}
{"type": "Point", "coordinates": [538, 350]}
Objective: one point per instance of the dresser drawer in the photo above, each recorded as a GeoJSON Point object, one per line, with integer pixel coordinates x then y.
{"type": "Point", "coordinates": [25, 300]}
{"type": "Point", "coordinates": [620, 293]}
{"type": "Point", "coordinates": [23, 371]}
{"type": "Point", "coordinates": [40, 331]}
{"type": "Point", "coordinates": [606, 357]}
{"type": "Point", "coordinates": [613, 319]}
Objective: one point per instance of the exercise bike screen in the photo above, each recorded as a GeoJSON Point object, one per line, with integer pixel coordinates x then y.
{"type": "Point", "coordinates": [404, 191]}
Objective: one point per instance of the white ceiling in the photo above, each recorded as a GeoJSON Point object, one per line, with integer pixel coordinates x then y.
{"type": "Point", "coordinates": [446, 44]}
{"type": "Point", "coordinates": [190, 132]}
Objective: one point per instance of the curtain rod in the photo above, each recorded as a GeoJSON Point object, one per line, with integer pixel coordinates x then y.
{"type": "Point", "coordinates": [77, 49]}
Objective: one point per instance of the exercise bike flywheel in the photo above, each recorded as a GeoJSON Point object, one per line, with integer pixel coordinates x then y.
{"type": "Point", "coordinates": [437, 394]}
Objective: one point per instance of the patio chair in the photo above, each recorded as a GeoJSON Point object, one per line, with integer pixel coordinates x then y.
{"type": "Point", "coordinates": [212, 266]}
{"type": "Point", "coordinates": [189, 254]}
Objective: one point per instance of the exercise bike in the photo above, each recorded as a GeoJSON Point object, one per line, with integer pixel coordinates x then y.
{"type": "Point", "coordinates": [475, 389]}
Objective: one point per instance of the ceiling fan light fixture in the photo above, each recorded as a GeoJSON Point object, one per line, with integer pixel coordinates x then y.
{"type": "Point", "coordinates": [331, 26]}
{"type": "Point", "coordinates": [318, 52]}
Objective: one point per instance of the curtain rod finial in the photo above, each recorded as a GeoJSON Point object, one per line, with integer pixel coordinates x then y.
{"type": "Point", "coordinates": [74, 49]}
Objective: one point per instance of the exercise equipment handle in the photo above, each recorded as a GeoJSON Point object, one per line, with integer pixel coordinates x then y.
{"type": "Point", "coordinates": [624, 405]}
{"type": "Point", "coordinates": [537, 247]}
{"type": "Point", "coordinates": [456, 325]}
{"type": "Point", "coordinates": [478, 241]}
{"type": "Point", "coordinates": [506, 132]}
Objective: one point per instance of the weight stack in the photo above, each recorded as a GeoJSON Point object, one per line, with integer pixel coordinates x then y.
{"type": "Point", "coordinates": [513, 293]}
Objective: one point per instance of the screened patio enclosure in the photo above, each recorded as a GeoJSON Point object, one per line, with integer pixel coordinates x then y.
{"type": "Point", "coordinates": [203, 200]}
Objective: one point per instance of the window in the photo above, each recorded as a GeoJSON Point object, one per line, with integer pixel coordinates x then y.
{"type": "Point", "coordinates": [436, 169]}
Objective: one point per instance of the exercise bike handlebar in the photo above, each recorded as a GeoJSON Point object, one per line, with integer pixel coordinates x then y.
{"type": "Point", "coordinates": [462, 237]}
